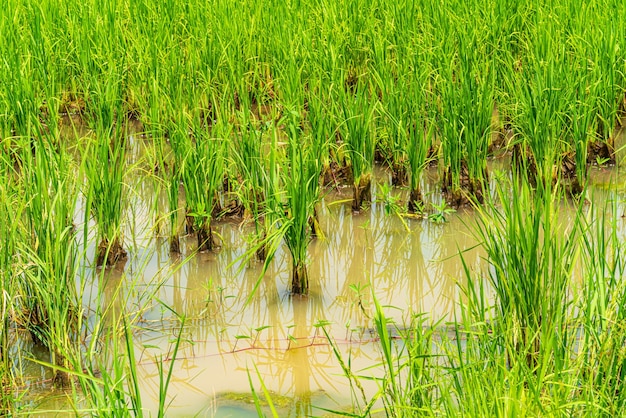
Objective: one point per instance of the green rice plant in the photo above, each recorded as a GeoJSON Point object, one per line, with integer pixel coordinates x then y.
{"type": "Point", "coordinates": [601, 348]}
{"type": "Point", "coordinates": [393, 145]}
{"type": "Point", "coordinates": [291, 212]}
{"type": "Point", "coordinates": [579, 128]}
{"type": "Point", "coordinates": [167, 176]}
{"type": "Point", "coordinates": [531, 257]}
{"type": "Point", "coordinates": [357, 133]}
{"type": "Point", "coordinates": [180, 146]}
{"type": "Point", "coordinates": [407, 386]}
{"type": "Point", "coordinates": [105, 162]}
{"type": "Point", "coordinates": [301, 181]}
{"type": "Point", "coordinates": [255, 186]}
{"type": "Point", "coordinates": [109, 381]}
{"type": "Point", "coordinates": [419, 126]}
{"type": "Point", "coordinates": [319, 116]}
{"type": "Point", "coordinates": [389, 77]}
{"type": "Point", "coordinates": [19, 90]}
{"type": "Point", "coordinates": [52, 307]}
{"type": "Point", "coordinates": [108, 378]}
{"type": "Point", "coordinates": [466, 87]}
{"type": "Point", "coordinates": [608, 74]}
{"type": "Point", "coordinates": [266, 394]}
{"type": "Point", "coordinates": [173, 192]}
{"type": "Point", "coordinates": [12, 207]}
{"type": "Point", "coordinates": [105, 169]}
{"type": "Point", "coordinates": [202, 172]}
{"type": "Point", "coordinates": [541, 115]}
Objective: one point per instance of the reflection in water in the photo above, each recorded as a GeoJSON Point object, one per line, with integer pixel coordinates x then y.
{"type": "Point", "coordinates": [237, 320]}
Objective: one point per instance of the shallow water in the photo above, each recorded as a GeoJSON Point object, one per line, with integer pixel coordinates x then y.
{"type": "Point", "coordinates": [232, 330]}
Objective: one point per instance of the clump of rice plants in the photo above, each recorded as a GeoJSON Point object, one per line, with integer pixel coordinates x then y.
{"type": "Point", "coordinates": [601, 346]}
{"type": "Point", "coordinates": [607, 78]}
{"type": "Point", "coordinates": [392, 142]}
{"type": "Point", "coordinates": [168, 169]}
{"type": "Point", "coordinates": [301, 174]}
{"type": "Point", "coordinates": [466, 90]}
{"type": "Point", "coordinates": [319, 116]}
{"type": "Point", "coordinates": [255, 185]}
{"type": "Point", "coordinates": [357, 133]}
{"type": "Point", "coordinates": [531, 257]}
{"type": "Point", "coordinates": [105, 168]}
{"type": "Point", "coordinates": [579, 128]}
{"type": "Point", "coordinates": [541, 114]}
{"type": "Point", "coordinates": [202, 171]}
{"type": "Point", "coordinates": [290, 214]}
{"type": "Point", "coordinates": [418, 125]}
{"type": "Point", "coordinates": [52, 308]}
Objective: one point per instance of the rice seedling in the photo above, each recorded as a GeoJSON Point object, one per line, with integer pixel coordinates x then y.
{"type": "Point", "coordinates": [105, 168]}
{"type": "Point", "coordinates": [301, 181]}
{"type": "Point", "coordinates": [202, 174]}
{"type": "Point", "coordinates": [467, 93]}
{"type": "Point", "coordinates": [52, 308]}
{"type": "Point", "coordinates": [357, 134]}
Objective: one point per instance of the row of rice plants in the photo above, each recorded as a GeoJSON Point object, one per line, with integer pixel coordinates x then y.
{"type": "Point", "coordinates": [367, 60]}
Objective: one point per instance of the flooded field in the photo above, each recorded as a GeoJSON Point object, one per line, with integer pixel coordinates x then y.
{"type": "Point", "coordinates": [241, 324]}
{"type": "Point", "coordinates": [368, 208]}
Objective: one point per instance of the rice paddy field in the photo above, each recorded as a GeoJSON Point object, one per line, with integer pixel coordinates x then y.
{"type": "Point", "coordinates": [331, 208]}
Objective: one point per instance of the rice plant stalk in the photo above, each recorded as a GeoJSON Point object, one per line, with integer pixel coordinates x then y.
{"type": "Point", "coordinates": [301, 181]}
{"type": "Point", "coordinates": [203, 174]}
{"type": "Point", "coordinates": [52, 304]}
{"type": "Point", "coordinates": [105, 169]}
{"type": "Point", "coordinates": [358, 138]}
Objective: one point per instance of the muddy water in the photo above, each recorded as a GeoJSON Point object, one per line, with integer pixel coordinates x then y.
{"type": "Point", "coordinates": [232, 328]}
{"type": "Point", "coordinates": [240, 325]}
